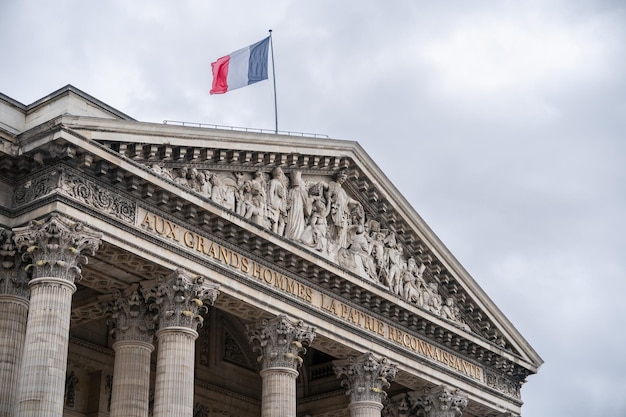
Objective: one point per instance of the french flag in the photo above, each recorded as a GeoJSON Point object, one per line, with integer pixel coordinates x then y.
{"type": "Point", "coordinates": [241, 68]}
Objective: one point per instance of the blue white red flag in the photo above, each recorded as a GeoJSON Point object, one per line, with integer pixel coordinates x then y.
{"type": "Point", "coordinates": [241, 68]}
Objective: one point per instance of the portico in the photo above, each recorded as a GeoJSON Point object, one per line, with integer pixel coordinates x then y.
{"type": "Point", "coordinates": [147, 271]}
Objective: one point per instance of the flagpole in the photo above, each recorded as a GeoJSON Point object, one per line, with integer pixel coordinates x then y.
{"type": "Point", "coordinates": [274, 79]}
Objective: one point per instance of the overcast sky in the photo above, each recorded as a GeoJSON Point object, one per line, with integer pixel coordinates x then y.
{"type": "Point", "coordinates": [502, 122]}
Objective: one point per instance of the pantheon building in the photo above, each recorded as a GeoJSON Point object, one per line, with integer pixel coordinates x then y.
{"type": "Point", "coordinates": [170, 270]}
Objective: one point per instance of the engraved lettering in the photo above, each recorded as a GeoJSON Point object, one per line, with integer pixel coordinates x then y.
{"type": "Point", "coordinates": [188, 238]}
{"type": "Point", "coordinates": [245, 265]}
{"type": "Point", "coordinates": [146, 223]}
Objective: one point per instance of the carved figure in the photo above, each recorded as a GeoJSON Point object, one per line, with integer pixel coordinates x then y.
{"type": "Point", "coordinates": [261, 178]}
{"type": "Point", "coordinates": [222, 191]}
{"type": "Point", "coordinates": [277, 201]}
{"type": "Point", "coordinates": [299, 207]}
{"type": "Point", "coordinates": [315, 235]}
{"type": "Point", "coordinates": [356, 256]}
{"type": "Point", "coordinates": [243, 196]}
{"type": "Point", "coordinates": [413, 285]}
{"type": "Point", "coordinates": [204, 183]}
{"type": "Point", "coordinates": [255, 207]}
{"type": "Point", "coordinates": [377, 252]}
{"type": "Point", "coordinates": [450, 311]}
{"type": "Point", "coordinates": [393, 254]}
{"type": "Point", "coordinates": [340, 204]}
{"type": "Point", "coordinates": [180, 176]}
{"type": "Point", "coordinates": [193, 180]}
{"type": "Point", "coordinates": [432, 299]}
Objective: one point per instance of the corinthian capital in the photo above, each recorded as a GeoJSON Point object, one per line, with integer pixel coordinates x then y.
{"type": "Point", "coordinates": [279, 342]}
{"type": "Point", "coordinates": [366, 377]}
{"type": "Point", "coordinates": [55, 247]}
{"type": "Point", "coordinates": [443, 401]}
{"type": "Point", "coordinates": [13, 277]}
{"type": "Point", "coordinates": [181, 299]}
{"type": "Point", "coordinates": [398, 406]}
{"type": "Point", "coordinates": [131, 316]}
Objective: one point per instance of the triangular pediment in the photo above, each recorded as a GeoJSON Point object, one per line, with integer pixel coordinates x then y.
{"type": "Point", "coordinates": [323, 198]}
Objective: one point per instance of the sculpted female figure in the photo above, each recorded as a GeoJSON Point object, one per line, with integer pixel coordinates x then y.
{"type": "Point", "coordinates": [298, 206]}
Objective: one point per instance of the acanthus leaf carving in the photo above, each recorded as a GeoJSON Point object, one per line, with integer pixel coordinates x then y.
{"type": "Point", "coordinates": [56, 246]}
{"type": "Point", "coordinates": [130, 315]}
{"type": "Point", "coordinates": [181, 299]}
{"type": "Point", "coordinates": [365, 377]}
{"type": "Point", "coordinates": [280, 342]}
{"type": "Point", "coordinates": [441, 401]}
{"type": "Point", "coordinates": [13, 277]}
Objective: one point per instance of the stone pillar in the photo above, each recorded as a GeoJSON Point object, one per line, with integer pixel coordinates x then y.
{"type": "Point", "coordinates": [279, 342]}
{"type": "Point", "coordinates": [366, 378]}
{"type": "Point", "coordinates": [133, 331]}
{"type": "Point", "coordinates": [56, 247]}
{"type": "Point", "coordinates": [180, 299]}
{"type": "Point", "coordinates": [13, 315]}
{"type": "Point", "coordinates": [442, 401]}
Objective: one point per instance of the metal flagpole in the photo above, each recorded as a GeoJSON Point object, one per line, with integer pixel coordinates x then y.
{"type": "Point", "coordinates": [274, 78]}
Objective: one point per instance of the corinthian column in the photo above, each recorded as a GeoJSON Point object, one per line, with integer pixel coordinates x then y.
{"type": "Point", "coordinates": [134, 328]}
{"type": "Point", "coordinates": [13, 315]}
{"type": "Point", "coordinates": [180, 299]}
{"type": "Point", "coordinates": [56, 247]}
{"type": "Point", "coordinates": [366, 378]}
{"type": "Point", "coordinates": [279, 342]}
{"type": "Point", "coordinates": [443, 401]}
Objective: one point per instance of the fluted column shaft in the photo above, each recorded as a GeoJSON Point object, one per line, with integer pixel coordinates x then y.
{"type": "Point", "coordinates": [13, 317]}
{"type": "Point", "coordinates": [42, 375]}
{"type": "Point", "coordinates": [279, 392]}
{"type": "Point", "coordinates": [180, 299]}
{"type": "Point", "coordinates": [365, 409]}
{"type": "Point", "coordinates": [133, 328]}
{"type": "Point", "coordinates": [173, 393]}
{"type": "Point", "coordinates": [55, 247]}
{"type": "Point", "coordinates": [131, 379]}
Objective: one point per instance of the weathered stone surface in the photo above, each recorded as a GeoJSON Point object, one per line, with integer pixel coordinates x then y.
{"type": "Point", "coordinates": [290, 226]}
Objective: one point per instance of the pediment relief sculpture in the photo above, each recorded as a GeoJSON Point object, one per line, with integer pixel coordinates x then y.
{"type": "Point", "coordinates": [316, 212]}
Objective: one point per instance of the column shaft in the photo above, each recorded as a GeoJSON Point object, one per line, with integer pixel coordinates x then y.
{"type": "Point", "coordinates": [365, 409]}
{"type": "Point", "coordinates": [131, 379]}
{"type": "Point", "coordinates": [13, 317]}
{"type": "Point", "coordinates": [44, 363]}
{"type": "Point", "coordinates": [279, 392]}
{"type": "Point", "coordinates": [173, 394]}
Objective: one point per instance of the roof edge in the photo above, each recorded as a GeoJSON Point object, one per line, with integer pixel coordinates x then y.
{"type": "Point", "coordinates": [70, 89]}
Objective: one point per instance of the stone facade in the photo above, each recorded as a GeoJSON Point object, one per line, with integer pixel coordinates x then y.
{"type": "Point", "coordinates": [169, 270]}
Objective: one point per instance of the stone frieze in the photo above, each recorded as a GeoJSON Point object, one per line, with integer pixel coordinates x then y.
{"type": "Point", "coordinates": [317, 213]}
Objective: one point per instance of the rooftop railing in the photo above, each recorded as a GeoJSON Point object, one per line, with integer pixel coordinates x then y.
{"type": "Point", "coordinates": [246, 129]}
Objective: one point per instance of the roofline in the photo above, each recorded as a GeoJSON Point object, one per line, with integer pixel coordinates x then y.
{"type": "Point", "coordinates": [68, 89]}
